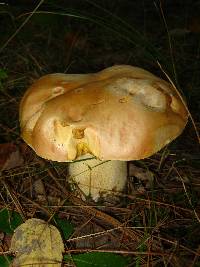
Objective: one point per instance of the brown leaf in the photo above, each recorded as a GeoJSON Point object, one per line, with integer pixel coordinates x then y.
{"type": "Point", "coordinates": [141, 174]}
{"type": "Point", "coordinates": [10, 156]}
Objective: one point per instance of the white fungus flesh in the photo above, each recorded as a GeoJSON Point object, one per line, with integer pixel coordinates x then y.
{"type": "Point", "coordinates": [98, 179]}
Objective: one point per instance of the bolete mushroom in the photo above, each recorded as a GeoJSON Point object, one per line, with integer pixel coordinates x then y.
{"type": "Point", "coordinates": [119, 114]}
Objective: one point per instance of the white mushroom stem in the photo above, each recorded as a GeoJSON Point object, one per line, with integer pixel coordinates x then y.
{"type": "Point", "coordinates": [98, 179]}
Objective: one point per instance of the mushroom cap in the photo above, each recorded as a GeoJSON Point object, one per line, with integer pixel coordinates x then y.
{"type": "Point", "coordinates": [120, 113]}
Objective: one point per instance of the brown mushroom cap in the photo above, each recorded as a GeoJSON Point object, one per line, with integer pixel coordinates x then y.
{"type": "Point", "coordinates": [120, 113]}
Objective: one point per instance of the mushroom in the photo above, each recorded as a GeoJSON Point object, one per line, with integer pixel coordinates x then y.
{"type": "Point", "coordinates": [119, 114]}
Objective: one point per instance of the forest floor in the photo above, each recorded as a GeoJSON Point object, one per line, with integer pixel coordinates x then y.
{"type": "Point", "coordinates": [157, 221]}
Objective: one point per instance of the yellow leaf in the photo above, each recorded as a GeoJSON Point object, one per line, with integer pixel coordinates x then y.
{"type": "Point", "coordinates": [37, 244]}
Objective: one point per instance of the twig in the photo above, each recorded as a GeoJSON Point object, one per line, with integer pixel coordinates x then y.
{"type": "Point", "coordinates": [152, 253]}
{"type": "Point", "coordinates": [15, 200]}
{"type": "Point", "coordinates": [92, 211]}
{"type": "Point", "coordinates": [8, 252]}
{"type": "Point", "coordinates": [189, 199]}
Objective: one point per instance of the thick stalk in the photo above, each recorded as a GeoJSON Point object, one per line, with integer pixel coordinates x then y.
{"type": "Point", "coordinates": [98, 179]}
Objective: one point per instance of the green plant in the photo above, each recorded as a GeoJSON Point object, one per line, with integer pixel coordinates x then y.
{"type": "Point", "coordinates": [10, 220]}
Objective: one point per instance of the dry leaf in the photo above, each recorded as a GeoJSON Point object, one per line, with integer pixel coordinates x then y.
{"type": "Point", "coordinates": [37, 244]}
{"type": "Point", "coordinates": [39, 190]}
{"type": "Point", "coordinates": [10, 156]}
{"type": "Point", "coordinates": [141, 174]}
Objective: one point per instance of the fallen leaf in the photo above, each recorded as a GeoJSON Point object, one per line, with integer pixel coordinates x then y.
{"type": "Point", "coordinates": [141, 174]}
{"type": "Point", "coordinates": [37, 244]}
{"type": "Point", "coordinates": [39, 191]}
{"type": "Point", "coordinates": [10, 156]}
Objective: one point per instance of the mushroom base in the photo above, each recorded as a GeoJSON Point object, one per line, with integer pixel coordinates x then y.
{"type": "Point", "coordinates": [98, 179]}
